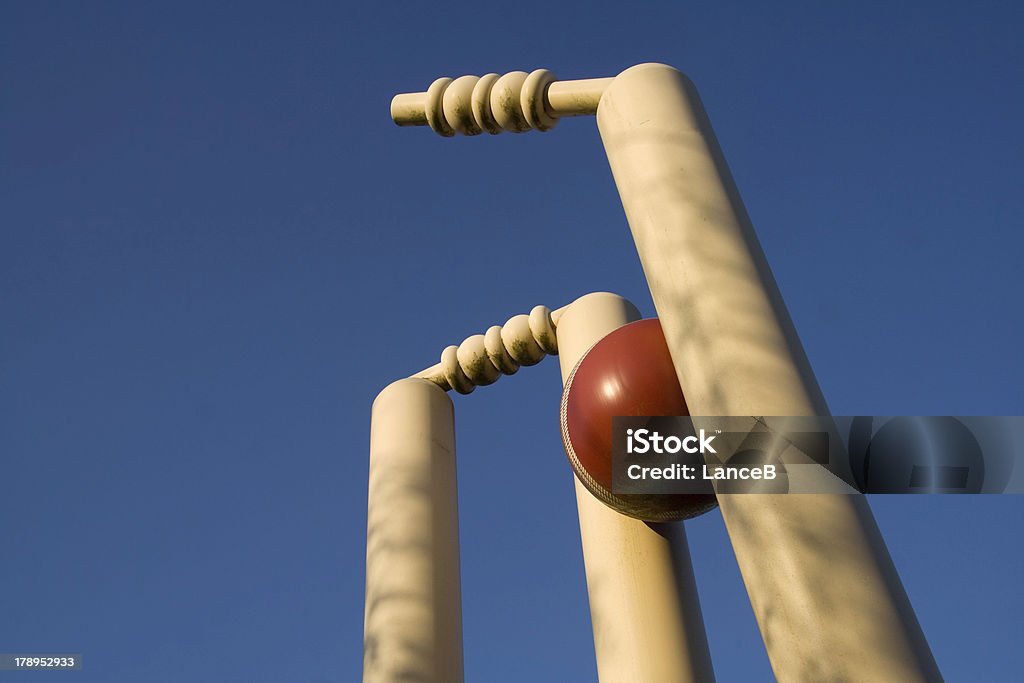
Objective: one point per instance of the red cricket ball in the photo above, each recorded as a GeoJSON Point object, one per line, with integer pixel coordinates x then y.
{"type": "Point", "coordinates": [628, 372]}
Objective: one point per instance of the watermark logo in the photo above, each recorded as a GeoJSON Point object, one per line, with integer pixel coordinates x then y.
{"type": "Point", "coordinates": [861, 454]}
{"type": "Point", "coordinates": [645, 440]}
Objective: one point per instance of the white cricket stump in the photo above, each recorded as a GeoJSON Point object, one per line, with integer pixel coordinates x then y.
{"type": "Point", "coordinates": [413, 618]}
{"type": "Point", "coordinates": [826, 595]}
{"type": "Point", "coordinates": [643, 597]}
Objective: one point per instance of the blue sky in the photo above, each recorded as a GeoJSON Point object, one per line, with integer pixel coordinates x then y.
{"type": "Point", "coordinates": [216, 248]}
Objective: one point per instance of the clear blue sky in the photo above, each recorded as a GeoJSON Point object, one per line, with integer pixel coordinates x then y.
{"type": "Point", "coordinates": [215, 248]}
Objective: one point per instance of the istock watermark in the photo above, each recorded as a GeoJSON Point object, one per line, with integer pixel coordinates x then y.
{"type": "Point", "coordinates": [852, 454]}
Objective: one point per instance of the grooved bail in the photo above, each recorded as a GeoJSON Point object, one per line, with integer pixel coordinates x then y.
{"type": "Point", "coordinates": [516, 101]}
{"type": "Point", "coordinates": [482, 359]}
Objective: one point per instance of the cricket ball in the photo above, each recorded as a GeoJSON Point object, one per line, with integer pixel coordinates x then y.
{"type": "Point", "coordinates": [629, 372]}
